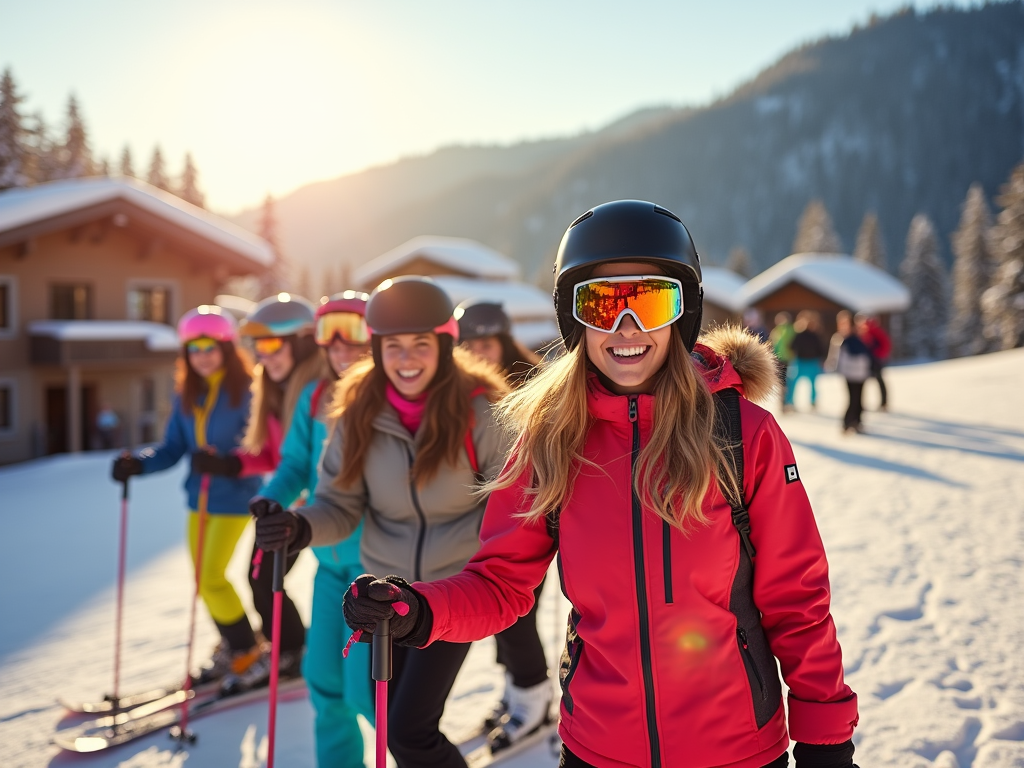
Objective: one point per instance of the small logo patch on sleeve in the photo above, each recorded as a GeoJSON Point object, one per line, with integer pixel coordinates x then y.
{"type": "Point", "coordinates": [791, 474]}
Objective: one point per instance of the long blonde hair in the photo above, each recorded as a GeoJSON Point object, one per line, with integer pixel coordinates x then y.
{"type": "Point", "coordinates": [360, 396]}
{"type": "Point", "coordinates": [268, 398]}
{"type": "Point", "coordinates": [549, 419]}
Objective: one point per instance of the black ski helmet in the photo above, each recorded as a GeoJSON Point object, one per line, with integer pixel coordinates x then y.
{"type": "Point", "coordinates": [410, 304]}
{"type": "Point", "coordinates": [479, 318]}
{"type": "Point", "coordinates": [627, 230]}
{"type": "Point", "coordinates": [283, 314]}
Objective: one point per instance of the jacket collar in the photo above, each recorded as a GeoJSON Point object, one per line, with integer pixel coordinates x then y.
{"type": "Point", "coordinates": [605, 405]}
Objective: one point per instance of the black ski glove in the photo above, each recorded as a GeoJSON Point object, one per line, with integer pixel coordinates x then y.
{"type": "Point", "coordinates": [369, 599]}
{"type": "Point", "coordinates": [276, 527]}
{"type": "Point", "coordinates": [125, 466]}
{"type": "Point", "coordinates": [824, 755]}
{"type": "Point", "coordinates": [206, 463]}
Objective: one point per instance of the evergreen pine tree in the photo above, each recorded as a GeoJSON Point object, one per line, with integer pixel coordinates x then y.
{"type": "Point", "coordinates": [815, 233]}
{"type": "Point", "coordinates": [739, 262]}
{"type": "Point", "coordinates": [76, 157]}
{"type": "Point", "coordinates": [870, 247]}
{"type": "Point", "coordinates": [275, 278]}
{"type": "Point", "coordinates": [44, 157]}
{"type": "Point", "coordinates": [189, 190]}
{"type": "Point", "coordinates": [157, 175]}
{"type": "Point", "coordinates": [1003, 302]}
{"type": "Point", "coordinates": [127, 169]}
{"type": "Point", "coordinates": [972, 274]}
{"type": "Point", "coordinates": [304, 283]}
{"type": "Point", "coordinates": [12, 135]}
{"type": "Point", "coordinates": [103, 169]}
{"type": "Point", "coordinates": [924, 327]}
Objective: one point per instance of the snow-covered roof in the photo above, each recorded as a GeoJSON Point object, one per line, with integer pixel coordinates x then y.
{"type": "Point", "coordinates": [531, 309]}
{"type": "Point", "coordinates": [158, 337]}
{"type": "Point", "coordinates": [722, 287]}
{"type": "Point", "coordinates": [26, 206]}
{"type": "Point", "coordinates": [455, 253]}
{"type": "Point", "coordinates": [853, 284]}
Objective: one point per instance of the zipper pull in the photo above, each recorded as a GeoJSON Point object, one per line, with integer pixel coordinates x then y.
{"type": "Point", "coordinates": [743, 638]}
{"type": "Point", "coordinates": [632, 409]}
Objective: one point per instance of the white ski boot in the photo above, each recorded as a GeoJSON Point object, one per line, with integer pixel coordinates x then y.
{"type": "Point", "coordinates": [528, 710]}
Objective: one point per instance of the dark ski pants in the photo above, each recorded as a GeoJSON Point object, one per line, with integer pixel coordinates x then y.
{"type": "Point", "coordinates": [293, 633]}
{"type": "Point", "coordinates": [520, 649]}
{"type": "Point", "coordinates": [421, 680]}
{"type": "Point", "coordinates": [856, 407]}
{"type": "Point", "coordinates": [569, 760]}
{"type": "Point", "coordinates": [876, 374]}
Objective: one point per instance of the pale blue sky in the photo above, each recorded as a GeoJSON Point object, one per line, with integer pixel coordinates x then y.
{"type": "Point", "coordinates": [271, 95]}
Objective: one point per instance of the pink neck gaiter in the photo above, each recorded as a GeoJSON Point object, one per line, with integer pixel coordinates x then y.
{"type": "Point", "coordinates": [410, 412]}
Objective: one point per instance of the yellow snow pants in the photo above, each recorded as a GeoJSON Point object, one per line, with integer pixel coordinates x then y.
{"type": "Point", "coordinates": [219, 539]}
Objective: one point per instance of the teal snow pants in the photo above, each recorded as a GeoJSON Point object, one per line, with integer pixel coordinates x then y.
{"type": "Point", "coordinates": [339, 688]}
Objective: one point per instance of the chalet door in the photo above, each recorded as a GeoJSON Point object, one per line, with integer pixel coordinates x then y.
{"type": "Point", "coordinates": [57, 438]}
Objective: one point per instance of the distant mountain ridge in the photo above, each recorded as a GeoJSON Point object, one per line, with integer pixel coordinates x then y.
{"type": "Point", "coordinates": [899, 117]}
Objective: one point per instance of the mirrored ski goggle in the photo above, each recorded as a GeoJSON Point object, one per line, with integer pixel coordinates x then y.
{"type": "Point", "coordinates": [348, 326]}
{"type": "Point", "coordinates": [201, 345]}
{"type": "Point", "coordinates": [653, 301]}
{"type": "Point", "coordinates": [267, 345]}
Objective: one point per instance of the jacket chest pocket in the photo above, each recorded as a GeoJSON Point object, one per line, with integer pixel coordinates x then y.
{"type": "Point", "coordinates": [570, 660]}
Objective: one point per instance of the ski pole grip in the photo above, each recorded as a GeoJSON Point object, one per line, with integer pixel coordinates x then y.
{"type": "Point", "coordinates": [382, 650]}
{"type": "Point", "coordinates": [279, 558]}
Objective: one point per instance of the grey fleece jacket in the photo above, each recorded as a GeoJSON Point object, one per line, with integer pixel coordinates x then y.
{"type": "Point", "coordinates": [421, 534]}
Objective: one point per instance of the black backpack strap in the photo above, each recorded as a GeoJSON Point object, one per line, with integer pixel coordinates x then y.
{"type": "Point", "coordinates": [730, 429]}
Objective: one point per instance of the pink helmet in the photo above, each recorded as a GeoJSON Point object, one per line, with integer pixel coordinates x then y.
{"type": "Point", "coordinates": [346, 301]}
{"type": "Point", "coordinates": [207, 320]}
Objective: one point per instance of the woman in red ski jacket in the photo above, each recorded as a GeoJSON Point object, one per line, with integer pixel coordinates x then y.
{"type": "Point", "coordinates": [684, 603]}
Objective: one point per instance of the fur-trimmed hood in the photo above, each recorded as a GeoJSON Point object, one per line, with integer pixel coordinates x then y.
{"type": "Point", "coordinates": [730, 356]}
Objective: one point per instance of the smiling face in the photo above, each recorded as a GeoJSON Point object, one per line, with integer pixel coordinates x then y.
{"type": "Point", "coordinates": [279, 364]}
{"type": "Point", "coordinates": [629, 357]}
{"type": "Point", "coordinates": [410, 361]}
{"type": "Point", "coordinates": [341, 355]}
{"type": "Point", "coordinates": [205, 359]}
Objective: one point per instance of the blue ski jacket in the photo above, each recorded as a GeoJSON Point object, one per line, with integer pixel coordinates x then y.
{"type": "Point", "coordinates": [298, 472]}
{"type": "Point", "coordinates": [224, 431]}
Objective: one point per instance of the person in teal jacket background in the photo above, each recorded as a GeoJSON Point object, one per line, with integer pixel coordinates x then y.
{"type": "Point", "coordinates": [338, 688]}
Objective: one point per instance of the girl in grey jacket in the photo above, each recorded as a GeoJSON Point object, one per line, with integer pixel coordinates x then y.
{"type": "Point", "coordinates": [414, 436]}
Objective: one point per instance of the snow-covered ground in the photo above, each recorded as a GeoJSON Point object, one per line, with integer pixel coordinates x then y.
{"type": "Point", "coordinates": [923, 520]}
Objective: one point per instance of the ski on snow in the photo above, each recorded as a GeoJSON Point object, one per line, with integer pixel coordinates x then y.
{"type": "Point", "coordinates": [110, 705]}
{"type": "Point", "coordinates": [111, 731]}
{"type": "Point", "coordinates": [482, 757]}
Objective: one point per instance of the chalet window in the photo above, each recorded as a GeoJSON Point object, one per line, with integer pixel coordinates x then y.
{"type": "Point", "coordinates": [7, 307]}
{"type": "Point", "coordinates": [150, 302]}
{"type": "Point", "coordinates": [71, 301]}
{"type": "Point", "coordinates": [6, 407]}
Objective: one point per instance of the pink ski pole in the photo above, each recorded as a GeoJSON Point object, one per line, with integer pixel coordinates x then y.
{"type": "Point", "coordinates": [275, 650]}
{"type": "Point", "coordinates": [181, 731]}
{"type": "Point", "coordinates": [115, 697]}
{"type": "Point", "coordinates": [382, 673]}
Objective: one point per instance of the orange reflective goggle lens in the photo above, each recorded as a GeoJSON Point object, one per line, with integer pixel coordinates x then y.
{"type": "Point", "coordinates": [267, 346]}
{"type": "Point", "coordinates": [653, 301]}
{"type": "Point", "coordinates": [347, 326]}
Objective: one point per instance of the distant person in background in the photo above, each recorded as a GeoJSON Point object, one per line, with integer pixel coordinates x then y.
{"type": "Point", "coordinates": [108, 425]}
{"type": "Point", "coordinates": [808, 353]}
{"type": "Point", "coordinates": [880, 345]}
{"type": "Point", "coordinates": [753, 321]}
{"type": "Point", "coordinates": [780, 338]}
{"type": "Point", "coordinates": [850, 358]}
